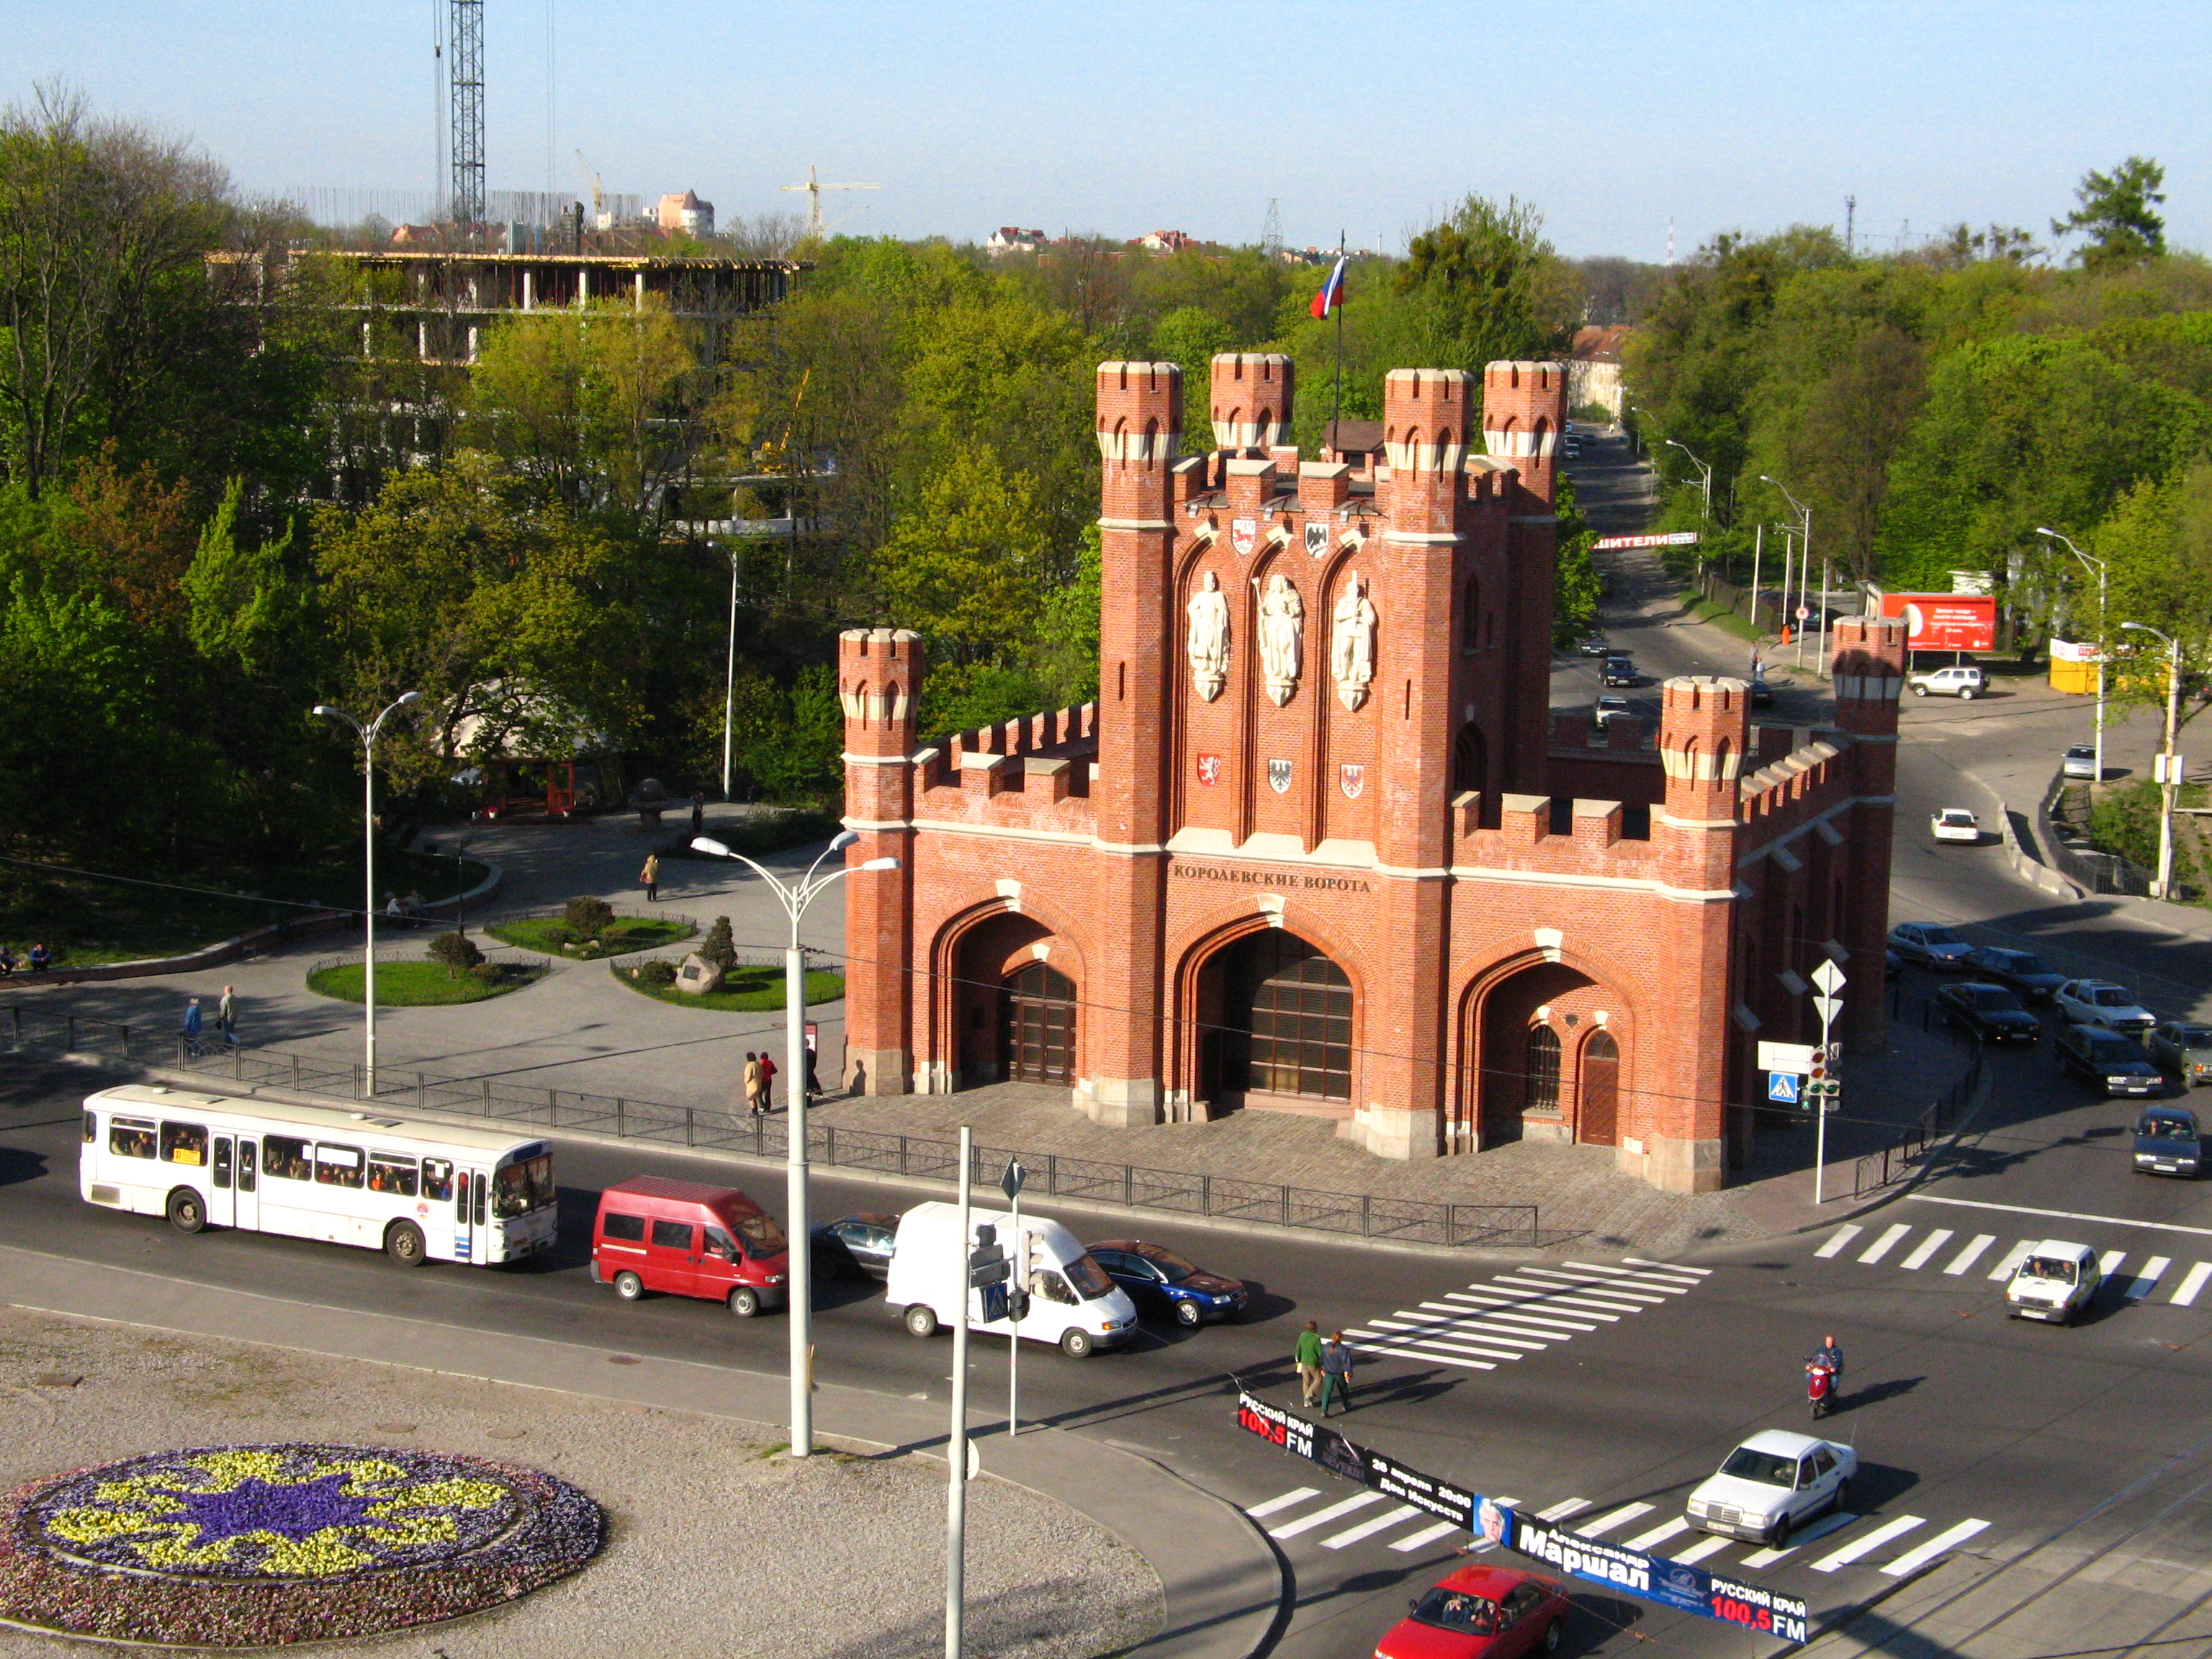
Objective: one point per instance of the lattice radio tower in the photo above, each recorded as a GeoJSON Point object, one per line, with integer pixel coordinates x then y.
{"type": "Point", "coordinates": [464, 84]}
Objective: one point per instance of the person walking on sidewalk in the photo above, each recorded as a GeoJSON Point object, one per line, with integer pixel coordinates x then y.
{"type": "Point", "coordinates": [651, 876]}
{"type": "Point", "coordinates": [1306, 1356]}
{"type": "Point", "coordinates": [226, 1017]}
{"type": "Point", "coordinates": [1335, 1373]}
{"type": "Point", "coordinates": [752, 1084]}
{"type": "Point", "coordinates": [698, 812]}
{"type": "Point", "coordinates": [193, 1027]}
{"type": "Point", "coordinates": [768, 1081]}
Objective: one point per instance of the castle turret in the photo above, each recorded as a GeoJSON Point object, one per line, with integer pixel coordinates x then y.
{"type": "Point", "coordinates": [1427, 414]}
{"type": "Point", "coordinates": [1705, 724]}
{"type": "Point", "coordinates": [879, 672]}
{"type": "Point", "coordinates": [1524, 409]}
{"type": "Point", "coordinates": [1251, 400]}
{"type": "Point", "coordinates": [1868, 670]}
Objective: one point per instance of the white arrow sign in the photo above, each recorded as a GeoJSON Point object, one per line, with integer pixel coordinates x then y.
{"type": "Point", "coordinates": [1785, 1057]}
{"type": "Point", "coordinates": [1828, 1007]}
{"type": "Point", "coordinates": [1829, 978]}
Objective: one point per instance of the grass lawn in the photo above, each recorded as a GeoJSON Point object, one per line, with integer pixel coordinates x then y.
{"type": "Point", "coordinates": [421, 984]}
{"type": "Point", "coordinates": [82, 920]}
{"type": "Point", "coordinates": [746, 991]}
{"type": "Point", "coordinates": [1703, 610]}
{"type": "Point", "coordinates": [624, 935]}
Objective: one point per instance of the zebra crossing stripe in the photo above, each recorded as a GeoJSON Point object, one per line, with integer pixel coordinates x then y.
{"type": "Point", "coordinates": [1297, 1495]}
{"type": "Point", "coordinates": [1926, 1247]}
{"type": "Point", "coordinates": [1562, 1510]}
{"type": "Point", "coordinates": [1554, 1296]}
{"type": "Point", "coordinates": [1600, 1286]}
{"type": "Point", "coordinates": [1971, 1253]}
{"type": "Point", "coordinates": [1881, 1246]}
{"type": "Point", "coordinates": [1868, 1545]}
{"type": "Point", "coordinates": [1499, 1307]}
{"type": "Point", "coordinates": [1697, 1551]}
{"type": "Point", "coordinates": [1429, 1341]}
{"type": "Point", "coordinates": [1833, 1521]}
{"type": "Point", "coordinates": [1658, 1534]}
{"type": "Point", "coordinates": [2192, 1282]}
{"type": "Point", "coordinates": [1375, 1345]}
{"type": "Point", "coordinates": [1368, 1529]}
{"type": "Point", "coordinates": [1671, 1267]}
{"type": "Point", "coordinates": [1843, 1236]}
{"type": "Point", "coordinates": [1463, 1325]}
{"type": "Point", "coordinates": [1913, 1561]}
{"type": "Point", "coordinates": [2147, 1281]}
{"type": "Point", "coordinates": [1427, 1535]}
{"type": "Point", "coordinates": [2109, 1263]}
{"type": "Point", "coordinates": [1647, 1281]}
{"type": "Point", "coordinates": [1621, 1517]}
{"type": "Point", "coordinates": [1358, 1500]}
{"type": "Point", "coordinates": [2011, 1260]}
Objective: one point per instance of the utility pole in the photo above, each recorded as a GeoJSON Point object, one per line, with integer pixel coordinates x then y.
{"type": "Point", "coordinates": [1827, 979]}
{"type": "Point", "coordinates": [1017, 1293]}
{"type": "Point", "coordinates": [464, 79]}
{"type": "Point", "coordinates": [2170, 765]}
{"type": "Point", "coordinates": [955, 1446]}
{"type": "Point", "coordinates": [2091, 562]}
{"type": "Point", "coordinates": [1851, 220]}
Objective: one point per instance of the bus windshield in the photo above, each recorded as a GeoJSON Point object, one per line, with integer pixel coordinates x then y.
{"type": "Point", "coordinates": [521, 1188]}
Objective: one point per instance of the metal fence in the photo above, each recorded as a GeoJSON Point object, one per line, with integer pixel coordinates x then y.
{"type": "Point", "coordinates": [1874, 1170]}
{"type": "Point", "coordinates": [1362, 1215]}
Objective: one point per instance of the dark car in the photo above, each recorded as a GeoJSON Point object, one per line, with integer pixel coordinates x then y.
{"type": "Point", "coordinates": [1160, 1278]}
{"type": "Point", "coordinates": [855, 1246]}
{"type": "Point", "coordinates": [2167, 1143]}
{"type": "Point", "coordinates": [1594, 645]}
{"type": "Point", "coordinates": [1991, 1012]}
{"type": "Point", "coordinates": [1619, 670]}
{"type": "Point", "coordinates": [2024, 971]}
{"type": "Point", "coordinates": [1892, 965]}
{"type": "Point", "coordinates": [2107, 1059]}
{"type": "Point", "coordinates": [1762, 694]}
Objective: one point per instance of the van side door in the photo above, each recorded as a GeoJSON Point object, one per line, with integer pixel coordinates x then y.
{"type": "Point", "coordinates": [671, 1256]}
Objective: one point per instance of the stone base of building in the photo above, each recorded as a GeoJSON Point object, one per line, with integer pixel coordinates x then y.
{"type": "Point", "coordinates": [879, 1070]}
{"type": "Point", "coordinates": [1552, 1131]}
{"type": "Point", "coordinates": [1121, 1102]}
{"type": "Point", "coordinates": [1386, 1133]}
{"type": "Point", "coordinates": [1677, 1166]}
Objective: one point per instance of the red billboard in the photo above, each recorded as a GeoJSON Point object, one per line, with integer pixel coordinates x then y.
{"type": "Point", "coordinates": [1945, 622]}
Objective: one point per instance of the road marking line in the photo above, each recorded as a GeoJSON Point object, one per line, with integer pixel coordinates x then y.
{"type": "Point", "coordinates": [1868, 1545]}
{"type": "Point", "coordinates": [1515, 1302]}
{"type": "Point", "coordinates": [1843, 1236]}
{"type": "Point", "coordinates": [1659, 1534]}
{"type": "Point", "coordinates": [1834, 1521]}
{"type": "Point", "coordinates": [1881, 1247]}
{"type": "Point", "coordinates": [1368, 1529]}
{"type": "Point", "coordinates": [1551, 1296]}
{"type": "Point", "coordinates": [2192, 1283]}
{"type": "Point", "coordinates": [1424, 1337]}
{"type": "Point", "coordinates": [1498, 1307]}
{"type": "Point", "coordinates": [2109, 1263]}
{"type": "Point", "coordinates": [1647, 1281]}
{"type": "Point", "coordinates": [1671, 1267]}
{"type": "Point", "coordinates": [1971, 1253]}
{"type": "Point", "coordinates": [1913, 1560]}
{"type": "Point", "coordinates": [2146, 1280]}
{"type": "Point", "coordinates": [1561, 1511]}
{"type": "Point", "coordinates": [1600, 1287]}
{"type": "Point", "coordinates": [1295, 1495]}
{"type": "Point", "coordinates": [1381, 1352]}
{"type": "Point", "coordinates": [1712, 1545]}
{"type": "Point", "coordinates": [1619, 1517]}
{"type": "Point", "coordinates": [1463, 1325]}
{"type": "Point", "coordinates": [2012, 1259]}
{"type": "Point", "coordinates": [1427, 1535]}
{"type": "Point", "coordinates": [2061, 1215]}
{"type": "Point", "coordinates": [1926, 1247]}
{"type": "Point", "coordinates": [1358, 1500]}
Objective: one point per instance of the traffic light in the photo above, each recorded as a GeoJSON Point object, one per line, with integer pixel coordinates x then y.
{"type": "Point", "coordinates": [1034, 1260]}
{"type": "Point", "coordinates": [1822, 1085]}
{"type": "Point", "coordinates": [986, 1262]}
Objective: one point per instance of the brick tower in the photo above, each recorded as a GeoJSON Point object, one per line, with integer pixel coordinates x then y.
{"type": "Point", "coordinates": [1868, 665]}
{"type": "Point", "coordinates": [1251, 400]}
{"type": "Point", "coordinates": [1524, 407]}
{"type": "Point", "coordinates": [880, 685]}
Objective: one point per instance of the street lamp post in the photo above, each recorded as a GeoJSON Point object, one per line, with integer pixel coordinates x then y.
{"type": "Point", "coordinates": [794, 900]}
{"type": "Point", "coordinates": [1706, 506]}
{"type": "Point", "coordinates": [1805, 565]}
{"type": "Point", "coordinates": [2090, 560]}
{"type": "Point", "coordinates": [368, 736]}
{"type": "Point", "coordinates": [2169, 773]}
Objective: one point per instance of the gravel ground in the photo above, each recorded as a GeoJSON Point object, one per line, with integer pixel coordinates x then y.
{"type": "Point", "coordinates": [704, 1514]}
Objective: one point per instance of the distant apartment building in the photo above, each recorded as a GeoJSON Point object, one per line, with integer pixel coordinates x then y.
{"type": "Point", "coordinates": [1012, 239]}
{"type": "Point", "coordinates": [1594, 368]}
{"type": "Point", "coordinates": [686, 213]}
{"type": "Point", "coordinates": [1166, 241]}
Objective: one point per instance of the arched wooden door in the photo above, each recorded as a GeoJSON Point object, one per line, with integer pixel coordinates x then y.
{"type": "Point", "coordinates": [1036, 1025]}
{"type": "Point", "coordinates": [1598, 1123]}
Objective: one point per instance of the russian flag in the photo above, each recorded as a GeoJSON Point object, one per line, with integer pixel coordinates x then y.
{"type": "Point", "coordinates": [1332, 291]}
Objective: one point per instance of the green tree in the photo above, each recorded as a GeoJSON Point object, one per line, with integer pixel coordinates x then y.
{"type": "Point", "coordinates": [2158, 542]}
{"type": "Point", "coordinates": [1486, 285]}
{"type": "Point", "coordinates": [2117, 214]}
{"type": "Point", "coordinates": [967, 567]}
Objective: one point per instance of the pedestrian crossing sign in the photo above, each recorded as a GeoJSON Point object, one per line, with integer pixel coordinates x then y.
{"type": "Point", "coordinates": [1783, 1086]}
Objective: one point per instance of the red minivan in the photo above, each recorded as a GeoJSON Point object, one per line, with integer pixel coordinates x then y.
{"type": "Point", "coordinates": [680, 1238]}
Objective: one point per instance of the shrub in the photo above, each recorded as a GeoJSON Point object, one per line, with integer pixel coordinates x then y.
{"type": "Point", "coordinates": [719, 948]}
{"type": "Point", "coordinates": [458, 952]}
{"type": "Point", "coordinates": [589, 917]}
{"type": "Point", "coordinates": [655, 973]}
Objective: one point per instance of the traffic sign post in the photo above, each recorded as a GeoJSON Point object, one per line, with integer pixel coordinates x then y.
{"type": "Point", "coordinates": [1782, 1087]}
{"type": "Point", "coordinates": [1016, 1298]}
{"type": "Point", "coordinates": [1821, 1087]}
{"type": "Point", "coordinates": [957, 1448]}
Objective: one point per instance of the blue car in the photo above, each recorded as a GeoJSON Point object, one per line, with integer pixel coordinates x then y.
{"type": "Point", "coordinates": [1159, 1278]}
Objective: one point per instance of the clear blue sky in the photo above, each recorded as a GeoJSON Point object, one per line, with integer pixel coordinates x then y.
{"type": "Point", "coordinates": [1372, 118]}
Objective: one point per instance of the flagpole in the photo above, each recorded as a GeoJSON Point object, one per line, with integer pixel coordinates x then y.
{"type": "Point", "coordinates": [1336, 403]}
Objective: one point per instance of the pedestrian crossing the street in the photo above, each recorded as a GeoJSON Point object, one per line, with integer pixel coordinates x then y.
{"type": "Point", "coordinates": [1945, 1252]}
{"type": "Point", "coordinates": [1520, 1314]}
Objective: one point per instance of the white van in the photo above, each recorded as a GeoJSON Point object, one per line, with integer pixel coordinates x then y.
{"type": "Point", "coordinates": [1072, 1301]}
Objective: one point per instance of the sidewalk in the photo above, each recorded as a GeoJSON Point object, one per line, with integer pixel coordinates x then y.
{"type": "Point", "coordinates": [1220, 1583]}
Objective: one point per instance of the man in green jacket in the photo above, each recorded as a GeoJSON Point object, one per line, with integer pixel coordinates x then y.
{"type": "Point", "coordinates": [1307, 1357]}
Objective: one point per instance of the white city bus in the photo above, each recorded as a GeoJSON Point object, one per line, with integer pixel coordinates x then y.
{"type": "Point", "coordinates": [416, 1190]}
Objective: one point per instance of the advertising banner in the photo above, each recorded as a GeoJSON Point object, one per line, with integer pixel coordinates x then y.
{"type": "Point", "coordinates": [1945, 622]}
{"type": "Point", "coordinates": [1670, 1584]}
{"type": "Point", "coordinates": [1673, 539]}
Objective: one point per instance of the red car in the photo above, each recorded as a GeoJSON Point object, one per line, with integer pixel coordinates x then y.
{"type": "Point", "coordinates": [1481, 1612]}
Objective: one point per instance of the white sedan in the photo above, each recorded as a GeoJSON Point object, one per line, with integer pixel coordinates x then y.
{"type": "Point", "coordinates": [1956, 823]}
{"type": "Point", "coordinates": [1773, 1484]}
{"type": "Point", "coordinates": [2099, 1002]}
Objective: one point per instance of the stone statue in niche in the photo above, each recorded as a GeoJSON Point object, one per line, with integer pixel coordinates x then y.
{"type": "Point", "coordinates": [1352, 644]}
{"type": "Point", "coordinates": [1207, 642]}
{"type": "Point", "coordinates": [1282, 638]}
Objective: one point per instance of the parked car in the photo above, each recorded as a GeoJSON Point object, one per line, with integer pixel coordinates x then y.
{"type": "Point", "coordinates": [2106, 1060]}
{"type": "Point", "coordinates": [1930, 944]}
{"type": "Point", "coordinates": [1594, 645]}
{"type": "Point", "coordinates": [2025, 972]}
{"type": "Point", "coordinates": [1991, 1012]}
{"type": "Point", "coordinates": [1618, 671]}
{"type": "Point", "coordinates": [680, 1238]}
{"type": "Point", "coordinates": [2100, 1002]}
{"type": "Point", "coordinates": [1480, 1612]}
{"type": "Point", "coordinates": [855, 1246]}
{"type": "Point", "coordinates": [1965, 682]}
{"type": "Point", "coordinates": [1772, 1484]}
{"type": "Point", "coordinates": [1610, 709]}
{"type": "Point", "coordinates": [2080, 762]}
{"type": "Point", "coordinates": [1762, 694]}
{"type": "Point", "coordinates": [2168, 1142]}
{"type": "Point", "coordinates": [2183, 1047]}
{"type": "Point", "coordinates": [1956, 823]}
{"type": "Point", "coordinates": [2054, 1282]}
{"type": "Point", "coordinates": [1158, 1278]}
{"type": "Point", "coordinates": [1893, 965]}
{"type": "Point", "coordinates": [1072, 1301]}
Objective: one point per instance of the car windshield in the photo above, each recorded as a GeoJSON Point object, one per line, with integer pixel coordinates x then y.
{"type": "Point", "coordinates": [2194, 1036]}
{"type": "Point", "coordinates": [1088, 1277]}
{"type": "Point", "coordinates": [1451, 1610]}
{"type": "Point", "coordinates": [2055, 1269]}
{"type": "Point", "coordinates": [1173, 1267]}
{"type": "Point", "coordinates": [2022, 962]}
{"type": "Point", "coordinates": [2080, 751]}
{"type": "Point", "coordinates": [762, 1238]}
{"type": "Point", "coordinates": [1957, 815]}
{"type": "Point", "coordinates": [1932, 934]}
{"type": "Point", "coordinates": [2111, 996]}
{"type": "Point", "coordinates": [519, 1189]}
{"type": "Point", "coordinates": [2110, 1049]}
{"type": "Point", "coordinates": [2167, 1128]}
{"type": "Point", "coordinates": [1989, 999]}
{"type": "Point", "coordinates": [1764, 1467]}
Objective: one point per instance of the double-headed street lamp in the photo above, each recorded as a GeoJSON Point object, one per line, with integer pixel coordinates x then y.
{"type": "Point", "coordinates": [794, 899]}
{"type": "Point", "coordinates": [368, 736]}
{"type": "Point", "coordinates": [1804, 565]}
{"type": "Point", "coordinates": [2169, 773]}
{"type": "Point", "coordinates": [1706, 512]}
{"type": "Point", "coordinates": [2091, 562]}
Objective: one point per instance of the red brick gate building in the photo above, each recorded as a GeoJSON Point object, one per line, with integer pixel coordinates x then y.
{"type": "Point", "coordinates": [1321, 846]}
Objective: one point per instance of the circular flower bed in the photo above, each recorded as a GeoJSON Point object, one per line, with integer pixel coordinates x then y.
{"type": "Point", "coordinates": [257, 1546]}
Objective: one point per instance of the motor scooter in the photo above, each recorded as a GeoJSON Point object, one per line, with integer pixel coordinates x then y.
{"type": "Point", "coordinates": [1819, 1388]}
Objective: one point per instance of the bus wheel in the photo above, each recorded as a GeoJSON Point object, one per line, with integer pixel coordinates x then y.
{"type": "Point", "coordinates": [629, 1286]}
{"type": "Point", "coordinates": [403, 1243]}
{"type": "Point", "coordinates": [744, 1301]}
{"type": "Point", "coordinates": [186, 1213]}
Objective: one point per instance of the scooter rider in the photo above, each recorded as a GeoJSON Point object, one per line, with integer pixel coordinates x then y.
{"type": "Point", "coordinates": [1832, 1356]}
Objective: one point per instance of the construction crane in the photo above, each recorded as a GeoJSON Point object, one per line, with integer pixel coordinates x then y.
{"type": "Point", "coordinates": [814, 187]}
{"type": "Point", "coordinates": [599, 196]}
{"type": "Point", "coordinates": [465, 83]}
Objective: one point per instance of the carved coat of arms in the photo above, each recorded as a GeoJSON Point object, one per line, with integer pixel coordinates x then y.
{"type": "Point", "coordinates": [1317, 539]}
{"type": "Point", "coordinates": [1209, 769]}
{"type": "Point", "coordinates": [1279, 776]}
{"type": "Point", "coordinates": [1352, 778]}
{"type": "Point", "coordinates": [1244, 534]}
